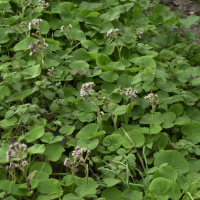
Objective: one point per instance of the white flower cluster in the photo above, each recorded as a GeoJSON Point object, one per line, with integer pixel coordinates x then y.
{"type": "Point", "coordinates": [112, 31]}
{"type": "Point", "coordinates": [151, 98]}
{"type": "Point", "coordinates": [78, 158]}
{"type": "Point", "coordinates": [87, 89]}
{"type": "Point", "coordinates": [131, 93]}
{"type": "Point", "coordinates": [34, 24]}
{"type": "Point", "coordinates": [24, 164]}
{"type": "Point", "coordinates": [44, 4]}
{"type": "Point", "coordinates": [62, 29]}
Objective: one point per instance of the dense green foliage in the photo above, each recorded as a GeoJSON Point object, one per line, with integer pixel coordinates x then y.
{"type": "Point", "coordinates": [98, 100]}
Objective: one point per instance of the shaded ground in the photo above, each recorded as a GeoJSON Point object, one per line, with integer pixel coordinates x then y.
{"type": "Point", "coordinates": [185, 8]}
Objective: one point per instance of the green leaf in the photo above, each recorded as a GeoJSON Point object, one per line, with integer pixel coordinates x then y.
{"type": "Point", "coordinates": [191, 132]}
{"type": "Point", "coordinates": [19, 96]}
{"type": "Point", "coordinates": [68, 21]}
{"type": "Point", "coordinates": [6, 185]}
{"type": "Point", "coordinates": [53, 45]}
{"type": "Point", "coordinates": [87, 132]}
{"type": "Point", "coordinates": [66, 7]}
{"type": "Point", "coordinates": [36, 149]}
{"type": "Point", "coordinates": [116, 66]}
{"type": "Point", "coordinates": [109, 76]}
{"type": "Point", "coordinates": [4, 148]}
{"type": "Point", "coordinates": [4, 36]}
{"type": "Point", "coordinates": [81, 54]}
{"type": "Point", "coordinates": [155, 129]}
{"type": "Point", "coordinates": [31, 72]}
{"type": "Point", "coordinates": [124, 80]}
{"type": "Point", "coordinates": [54, 151]}
{"type": "Point", "coordinates": [51, 187]}
{"type": "Point", "coordinates": [90, 45]}
{"type": "Point", "coordinates": [24, 44]}
{"type": "Point", "coordinates": [86, 190]}
{"type": "Point", "coordinates": [79, 64]}
{"type": "Point", "coordinates": [86, 106]}
{"type": "Point", "coordinates": [76, 34]}
{"type": "Point", "coordinates": [34, 134]}
{"type": "Point", "coordinates": [113, 13]}
{"type": "Point", "coordinates": [167, 172]}
{"type": "Point", "coordinates": [4, 91]}
{"type": "Point", "coordinates": [161, 9]}
{"type": "Point", "coordinates": [86, 117]}
{"type": "Point", "coordinates": [138, 17]}
{"type": "Point", "coordinates": [162, 186]}
{"type": "Point", "coordinates": [113, 142]}
{"type": "Point", "coordinates": [88, 144]}
{"type": "Point", "coordinates": [41, 166]}
{"type": "Point", "coordinates": [145, 61]}
{"type": "Point", "coordinates": [169, 119]}
{"type": "Point", "coordinates": [8, 122]}
{"type": "Point", "coordinates": [111, 181]}
{"type": "Point", "coordinates": [147, 118]}
{"type": "Point", "coordinates": [120, 110]}
{"type": "Point", "coordinates": [177, 109]}
{"type": "Point", "coordinates": [102, 59]}
{"type": "Point", "coordinates": [44, 26]}
{"type": "Point", "coordinates": [174, 159]}
{"type": "Point", "coordinates": [111, 193]}
{"type": "Point", "coordinates": [136, 137]}
{"type": "Point", "coordinates": [106, 26]}
{"type": "Point", "coordinates": [67, 130]}
{"type": "Point", "coordinates": [132, 194]}
{"type": "Point", "coordinates": [191, 20]}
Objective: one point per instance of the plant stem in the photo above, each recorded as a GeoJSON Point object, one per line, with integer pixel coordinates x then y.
{"type": "Point", "coordinates": [153, 116]}
{"type": "Point", "coordinates": [112, 116]}
{"type": "Point", "coordinates": [22, 14]}
{"type": "Point", "coordinates": [99, 120]}
{"type": "Point", "coordinates": [118, 49]}
{"type": "Point", "coordinates": [25, 175]}
{"type": "Point", "coordinates": [128, 113]}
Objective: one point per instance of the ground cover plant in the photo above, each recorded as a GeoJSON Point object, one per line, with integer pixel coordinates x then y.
{"type": "Point", "coordinates": [99, 100]}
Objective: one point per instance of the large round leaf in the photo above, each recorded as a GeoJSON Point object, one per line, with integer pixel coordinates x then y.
{"type": "Point", "coordinates": [113, 142]}
{"type": "Point", "coordinates": [4, 36]}
{"type": "Point", "coordinates": [111, 193]}
{"type": "Point", "coordinates": [31, 72]}
{"type": "Point", "coordinates": [109, 76]}
{"type": "Point", "coordinates": [191, 132]}
{"type": "Point", "coordinates": [87, 132]}
{"type": "Point", "coordinates": [34, 134]}
{"type": "Point", "coordinates": [53, 151]}
{"type": "Point", "coordinates": [167, 172]}
{"type": "Point", "coordinates": [136, 138]}
{"type": "Point", "coordinates": [51, 187]}
{"type": "Point", "coordinates": [88, 144]}
{"type": "Point", "coordinates": [41, 166]}
{"type": "Point", "coordinates": [174, 159]}
{"type": "Point", "coordinates": [162, 186]}
{"type": "Point", "coordinates": [24, 44]}
{"type": "Point", "coordinates": [79, 64]}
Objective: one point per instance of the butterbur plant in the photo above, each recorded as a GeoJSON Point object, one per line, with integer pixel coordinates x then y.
{"type": "Point", "coordinates": [34, 48]}
{"type": "Point", "coordinates": [80, 156]}
{"type": "Point", "coordinates": [86, 90]}
{"type": "Point", "coordinates": [17, 150]}
{"type": "Point", "coordinates": [118, 78]}
{"type": "Point", "coordinates": [131, 94]}
{"type": "Point", "coordinates": [43, 4]}
{"type": "Point", "coordinates": [153, 100]}
{"type": "Point", "coordinates": [113, 33]}
{"type": "Point", "coordinates": [66, 30]}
